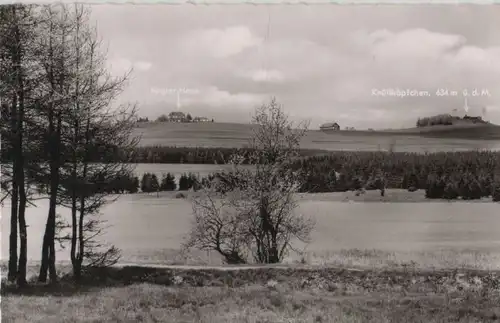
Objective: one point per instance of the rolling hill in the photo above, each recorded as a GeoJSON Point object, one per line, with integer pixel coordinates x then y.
{"type": "Point", "coordinates": [466, 131]}
{"type": "Point", "coordinates": [234, 135]}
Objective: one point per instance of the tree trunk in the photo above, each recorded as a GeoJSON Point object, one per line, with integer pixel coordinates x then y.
{"type": "Point", "coordinates": [42, 276]}
{"type": "Point", "coordinates": [77, 267]}
{"type": "Point", "coordinates": [21, 277]}
{"type": "Point", "coordinates": [14, 198]}
{"type": "Point", "coordinates": [23, 257]}
{"type": "Point", "coordinates": [13, 231]}
{"type": "Point", "coordinates": [81, 238]}
{"type": "Point", "coordinates": [23, 235]}
{"type": "Point", "coordinates": [74, 226]}
{"type": "Point", "coordinates": [73, 234]}
{"type": "Point", "coordinates": [48, 237]}
{"type": "Point", "coordinates": [273, 250]}
{"type": "Point", "coordinates": [48, 248]}
{"type": "Point", "coordinates": [55, 185]}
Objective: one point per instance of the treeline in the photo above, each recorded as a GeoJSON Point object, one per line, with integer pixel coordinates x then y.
{"type": "Point", "coordinates": [469, 175]}
{"type": "Point", "coordinates": [184, 155]}
{"type": "Point", "coordinates": [168, 155]}
{"type": "Point", "coordinates": [467, 187]}
{"type": "Point", "coordinates": [198, 155]}
{"type": "Point", "coordinates": [441, 119]}
{"type": "Point", "coordinates": [150, 182]}
{"type": "Point", "coordinates": [449, 175]}
{"type": "Point", "coordinates": [446, 120]}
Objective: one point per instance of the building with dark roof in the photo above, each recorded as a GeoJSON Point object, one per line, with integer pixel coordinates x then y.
{"type": "Point", "coordinates": [330, 126]}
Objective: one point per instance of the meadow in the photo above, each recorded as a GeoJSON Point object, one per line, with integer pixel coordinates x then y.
{"type": "Point", "coordinates": [232, 135]}
{"type": "Point", "coordinates": [367, 262]}
{"type": "Point", "coordinates": [150, 230]}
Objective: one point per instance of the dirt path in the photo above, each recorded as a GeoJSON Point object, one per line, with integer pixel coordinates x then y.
{"type": "Point", "coordinates": [228, 267]}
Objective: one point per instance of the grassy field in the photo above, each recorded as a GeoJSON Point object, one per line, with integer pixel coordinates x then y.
{"type": "Point", "coordinates": [229, 135]}
{"type": "Point", "coordinates": [346, 285]}
{"type": "Point", "coordinates": [134, 294]}
{"type": "Point", "coordinates": [150, 228]}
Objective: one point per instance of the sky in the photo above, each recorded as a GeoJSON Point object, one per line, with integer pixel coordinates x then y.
{"type": "Point", "coordinates": [323, 63]}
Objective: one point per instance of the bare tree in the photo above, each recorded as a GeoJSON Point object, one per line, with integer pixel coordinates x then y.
{"type": "Point", "coordinates": [18, 80]}
{"type": "Point", "coordinates": [269, 200]}
{"type": "Point", "coordinates": [216, 226]}
{"type": "Point", "coordinates": [262, 200]}
{"type": "Point", "coordinates": [93, 131]}
{"type": "Point", "coordinates": [56, 98]}
{"type": "Point", "coordinates": [53, 54]}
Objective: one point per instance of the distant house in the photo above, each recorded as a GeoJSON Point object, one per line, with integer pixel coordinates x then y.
{"type": "Point", "coordinates": [200, 119]}
{"type": "Point", "coordinates": [473, 119]}
{"type": "Point", "coordinates": [176, 116]}
{"type": "Point", "coordinates": [330, 126]}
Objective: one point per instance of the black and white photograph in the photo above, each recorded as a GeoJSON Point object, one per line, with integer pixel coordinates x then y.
{"type": "Point", "coordinates": [250, 163]}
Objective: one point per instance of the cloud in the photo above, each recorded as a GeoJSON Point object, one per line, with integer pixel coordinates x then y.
{"type": "Point", "coordinates": [122, 65]}
{"type": "Point", "coordinates": [262, 75]}
{"type": "Point", "coordinates": [315, 74]}
{"type": "Point", "coordinates": [412, 44]}
{"type": "Point", "coordinates": [142, 66]}
{"type": "Point", "coordinates": [220, 43]}
{"type": "Point", "coordinates": [214, 97]}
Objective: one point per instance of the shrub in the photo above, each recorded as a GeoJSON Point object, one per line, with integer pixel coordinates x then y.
{"type": "Point", "coordinates": [435, 187]}
{"type": "Point", "coordinates": [149, 183]}
{"type": "Point", "coordinates": [155, 184]}
{"type": "Point", "coordinates": [168, 183]}
{"type": "Point", "coordinates": [183, 183]}
{"type": "Point", "coordinates": [470, 189]}
{"type": "Point", "coordinates": [133, 185]}
{"type": "Point", "coordinates": [146, 182]}
{"type": "Point", "coordinates": [193, 182]}
{"type": "Point", "coordinates": [410, 180]}
{"type": "Point", "coordinates": [496, 192]}
{"type": "Point", "coordinates": [451, 191]}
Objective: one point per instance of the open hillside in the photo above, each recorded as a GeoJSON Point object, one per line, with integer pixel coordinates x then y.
{"type": "Point", "coordinates": [233, 135]}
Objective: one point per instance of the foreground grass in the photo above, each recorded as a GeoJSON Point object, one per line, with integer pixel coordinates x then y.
{"type": "Point", "coordinates": [150, 303]}
{"type": "Point", "coordinates": [135, 294]}
{"type": "Point", "coordinates": [367, 286]}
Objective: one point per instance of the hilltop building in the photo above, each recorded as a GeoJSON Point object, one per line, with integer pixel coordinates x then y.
{"type": "Point", "coordinates": [467, 111]}
{"type": "Point", "coordinates": [200, 119]}
{"type": "Point", "coordinates": [176, 116]}
{"type": "Point", "coordinates": [330, 126]}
